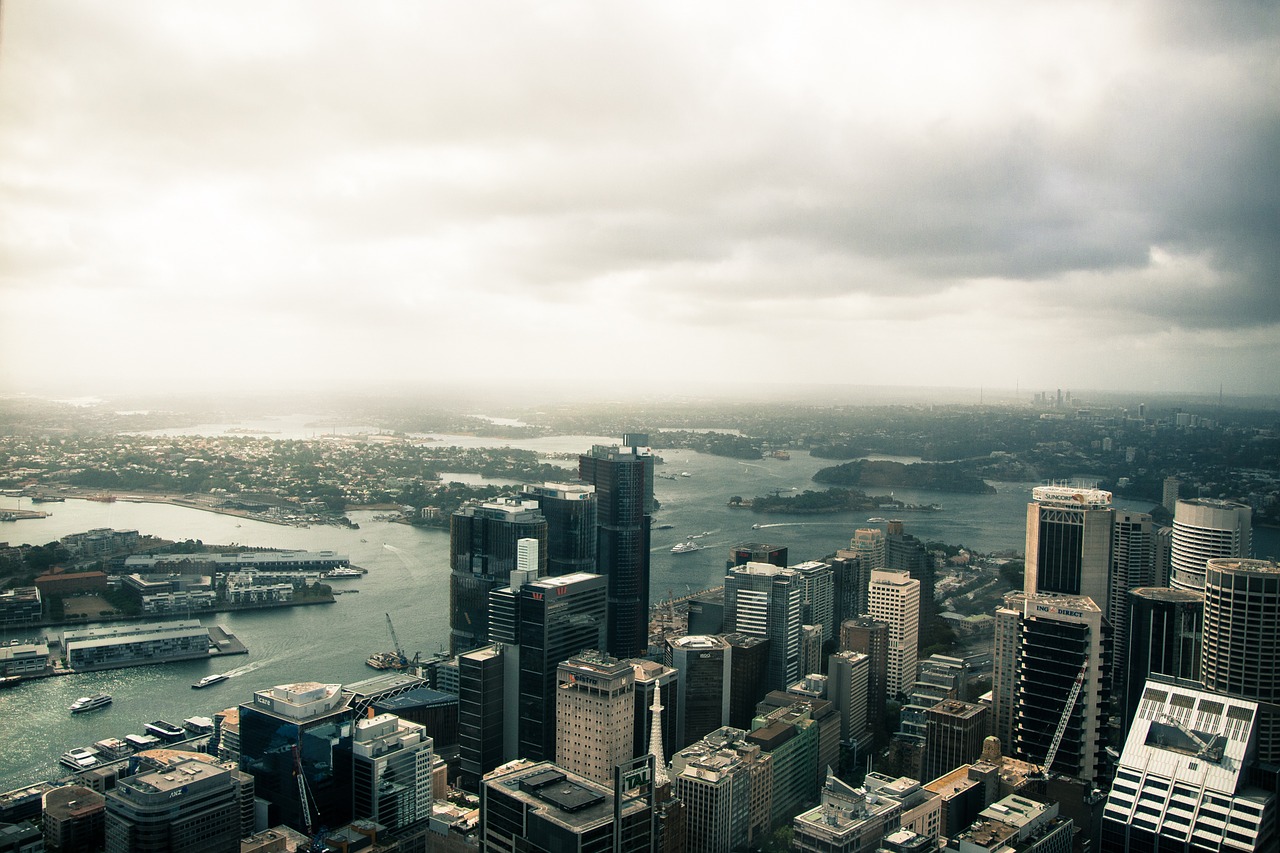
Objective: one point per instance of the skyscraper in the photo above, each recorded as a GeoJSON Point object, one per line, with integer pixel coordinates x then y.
{"type": "Point", "coordinates": [765, 601]}
{"type": "Point", "coordinates": [1133, 556]}
{"type": "Point", "coordinates": [306, 728]}
{"type": "Point", "coordinates": [758, 552]}
{"type": "Point", "coordinates": [894, 599]}
{"type": "Point", "coordinates": [623, 479]}
{"type": "Point", "coordinates": [848, 685]}
{"type": "Point", "coordinates": [1165, 626]}
{"type": "Point", "coordinates": [817, 586]}
{"type": "Point", "coordinates": [1060, 636]}
{"type": "Point", "coordinates": [595, 709]}
{"type": "Point", "coordinates": [570, 511]}
{"type": "Point", "coordinates": [1204, 529]}
{"type": "Point", "coordinates": [703, 691]}
{"type": "Point", "coordinates": [483, 551]}
{"type": "Point", "coordinates": [869, 546]}
{"type": "Point", "coordinates": [1240, 654]}
{"type": "Point", "coordinates": [392, 762]}
{"type": "Point", "coordinates": [954, 732]}
{"type": "Point", "coordinates": [482, 708]}
{"type": "Point", "coordinates": [871, 638]}
{"type": "Point", "coordinates": [850, 581]}
{"type": "Point", "coordinates": [559, 617]}
{"type": "Point", "coordinates": [1069, 542]}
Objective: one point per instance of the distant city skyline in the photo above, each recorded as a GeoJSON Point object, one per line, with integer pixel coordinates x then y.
{"type": "Point", "coordinates": [306, 196]}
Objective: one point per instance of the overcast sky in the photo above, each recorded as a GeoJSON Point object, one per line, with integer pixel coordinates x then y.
{"type": "Point", "coordinates": [271, 195]}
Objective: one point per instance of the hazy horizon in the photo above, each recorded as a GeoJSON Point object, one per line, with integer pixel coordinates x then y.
{"type": "Point", "coordinates": [628, 199]}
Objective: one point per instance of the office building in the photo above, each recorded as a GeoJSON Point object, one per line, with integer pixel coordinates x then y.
{"type": "Point", "coordinates": [539, 807]}
{"type": "Point", "coordinates": [1017, 824]}
{"type": "Point", "coordinates": [392, 764]}
{"type": "Point", "coordinates": [869, 546]}
{"type": "Point", "coordinates": [1133, 565]}
{"type": "Point", "coordinates": [954, 734]}
{"type": "Point", "coordinates": [1060, 637]}
{"type": "Point", "coordinates": [1165, 626]}
{"type": "Point", "coordinates": [748, 668]}
{"type": "Point", "coordinates": [810, 649]}
{"type": "Point", "coordinates": [623, 479]}
{"type": "Point", "coordinates": [595, 715]}
{"type": "Point", "coordinates": [1205, 529]}
{"type": "Point", "coordinates": [483, 552]}
{"type": "Point", "coordinates": [789, 736]}
{"type": "Point", "coordinates": [846, 820]}
{"type": "Point", "coordinates": [757, 552]}
{"type": "Point", "coordinates": [871, 638]}
{"type": "Point", "coordinates": [1240, 653]}
{"type": "Point", "coordinates": [1005, 654]}
{"type": "Point", "coordinates": [704, 664]}
{"type": "Point", "coordinates": [726, 784]}
{"type": "Point", "coordinates": [848, 688]}
{"type": "Point", "coordinates": [558, 617]}
{"type": "Point", "coordinates": [765, 601]}
{"type": "Point", "coordinates": [817, 597]}
{"type": "Point", "coordinates": [894, 599]}
{"type": "Point", "coordinates": [437, 713]}
{"type": "Point", "coordinates": [73, 820]}
{"type": "Point", "coordinates": [303, 726]}
{"type": "Point", "coordinates": [1069, 542]}
{"type": "Point", "coordinates": [1182, 779]}
{"type": "Point", "coordinates": [482, 709]}
{"type": "Point", "coordinates": [570, 511]}
{"type": "Point", "coordinates": [850, 581]}
{"type": "Point", "coordinates": [192, 806]}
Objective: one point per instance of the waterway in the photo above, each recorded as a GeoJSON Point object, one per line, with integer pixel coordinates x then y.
{"type": "Point", "coordinates": [408, 579]}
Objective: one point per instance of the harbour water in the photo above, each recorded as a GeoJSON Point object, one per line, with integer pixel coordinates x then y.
{"type": "Point", "coordinates": [408, 578]}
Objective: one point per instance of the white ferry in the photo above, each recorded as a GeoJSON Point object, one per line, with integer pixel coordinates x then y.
{"type": "Point", "coordinates": [90, 703]}
{"type": "Point", "coordinates": [80, 758]}
{"type": "Point", "coordinates": [685, 547]}
{"type": "Point", "coordinates": [209, 680]}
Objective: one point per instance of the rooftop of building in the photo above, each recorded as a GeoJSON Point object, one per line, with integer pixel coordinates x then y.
{"type": "Point", "coordinates": [383, 683]}
{"type": "Point", "coordinates": [176, 777]}
{"type": "Point", "coordinates": [558, 795]}
{"type": "Point", "coordinates": [72, 801]}
{"type": "Point", "coordinates": [562, 580]}
{"type": "Point", "coordinates": [698, 641]}
{"type": "Point", "coordinates": [958, 709]}
{"type": "Point", "coordinates": [1214, 503]}
{"type": "Point", "coordinates": [1072, 496]}
{"type": "Point", "coordinates": [760, 570]}
{"type": "Point", "coordinates": [1164, 593]}
{"type": "Point", "coordinates": [1018, 811]}
{"type": "Point", "coordinates": [1242, 566]}
{"type": "Point", "coordinates": [418, 697]}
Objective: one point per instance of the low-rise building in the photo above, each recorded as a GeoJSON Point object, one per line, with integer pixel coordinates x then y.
{"type": "Point", "coordinates": [131, 645]}
{"type": "Point", "coordinates": [20, 606]}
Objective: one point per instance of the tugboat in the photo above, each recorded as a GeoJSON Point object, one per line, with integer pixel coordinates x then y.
{"type": "Point", "coordinates": [90, 703]}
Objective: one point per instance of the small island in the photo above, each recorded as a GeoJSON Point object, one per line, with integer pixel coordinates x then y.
{"type": "Point", "coordinates": [931, 476]}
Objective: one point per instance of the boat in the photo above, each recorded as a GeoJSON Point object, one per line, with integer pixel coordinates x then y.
{"type": "Point", "coordinates": [112, 748]}
{"type": "Point", "coordinates": [342, 574]}
{"type": "Point", "coordinates": [664, 527]}
{"type": "Point", "coordinates": [386, 660]}
{"type": "Point", "coordinates": [90, 703]}
{"type": "Point", "coordinates": [756, 526]}
{"type": "Point", "coordinates": [685, 547]}
{"type": "Point", "coordinates": [165, 731]}
{"type": "Point", "coordinates": [10, 680]}
{"type": "Point", "coordinates": [685, 474]}
{"type": "Point", "coordinates": [141, 742]}
{"type": "Point", "coordinates": [210, 680]}
{"type": "Point", "coordinates": [80, 758]}
{"type": "Point", "coordinates": [875, 519]}
{"type": "Point", "coordinates": [47, 499]}
{"type": "Point", "coordinates": [198, 725]}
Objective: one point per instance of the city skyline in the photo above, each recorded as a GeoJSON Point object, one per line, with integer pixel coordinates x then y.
{"type": "Point", "coordinates": [249, 197]}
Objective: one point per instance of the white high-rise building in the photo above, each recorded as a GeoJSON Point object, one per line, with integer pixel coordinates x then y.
{"type": "Point", "coordinates": [818, 596]}
{"type": "Point", "coordinates": [1205, 529]}
{"type": "Point", "coordinates": [1069, 542]}
{"type": "Point", "coordinates": [894, 598]}
{"type": "Point", "coordinates": [392, 762]}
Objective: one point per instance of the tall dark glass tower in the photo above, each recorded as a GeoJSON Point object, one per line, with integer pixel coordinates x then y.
{"type": "Point", "coordinates": [483, 551]}
{"type": "Point", "coordinates": [623, 477]}
{"type": "Point", "coordinates": [570, 510]}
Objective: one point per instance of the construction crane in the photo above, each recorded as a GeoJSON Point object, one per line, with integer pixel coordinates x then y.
{"type": "Point", "coordinates": [1062, 722]}
{"type": "Point", "coordinates": [395, 642]}
{"type": "Point", "coordinates": [1211, 751]}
